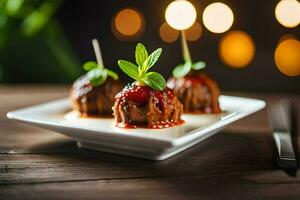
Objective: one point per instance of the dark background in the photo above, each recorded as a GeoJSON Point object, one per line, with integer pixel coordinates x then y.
{"type": "Point", "coordinates": [83, 20]}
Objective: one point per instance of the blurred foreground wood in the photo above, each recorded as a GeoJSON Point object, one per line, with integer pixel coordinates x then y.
{"type": "Point", "coordinates": [238, 163]}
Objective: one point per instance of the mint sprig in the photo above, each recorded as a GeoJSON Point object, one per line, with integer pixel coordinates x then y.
{"type": "Point", "coordinates": [96, 73]}
{"type": "Point", "coordinates": [140, 72]}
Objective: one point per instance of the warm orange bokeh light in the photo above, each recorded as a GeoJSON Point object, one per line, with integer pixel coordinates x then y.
{"type": "Point", "coordinates": [237, 49]}
{"type": "Point", "coordinates": [287, 57]}
{"type": "Point", "coordinates": [128, 22]}
{"type": "Point", "coordinates": [167, 33]}
{"type": "Point", "coordinates": [287, 37]}
{"type": "Point", "coordinates": [193, 33]}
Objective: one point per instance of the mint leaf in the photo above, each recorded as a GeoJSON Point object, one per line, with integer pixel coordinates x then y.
{"type": "Point", "coordinates": [155, 81]}
{"type": "Point", "coordinates": [112, 74]}
{"type": "Point", "coordinates": [141, 54]}
{"type": "Point", "coordinates": [151, 60]}
{"type": "Point", "coordinates": [87, 66]}
{"type": "Point", "coordinates": [141, 72]}
{"type": "Point", "coordinates": [182, 70]}
{"type": "Point", "coordinates": [130, 69]}
{"type": "Point", "coordinates": [97, 76]}
{"type": "Point", "coordinates": [198, 65]}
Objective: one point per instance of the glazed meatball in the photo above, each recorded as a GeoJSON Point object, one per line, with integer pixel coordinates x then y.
{"type": "Point", "coordinates": [91, 100]}
{"type": "Point", "coordinates": [146, 107]}
{"type": "Point", "coordinates": [197, 92]}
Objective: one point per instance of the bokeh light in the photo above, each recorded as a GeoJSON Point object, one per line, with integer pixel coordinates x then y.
{"type": "Point", "coordinates": [287, 57]}
{"type": "Point", "coordinates": [287, 13]}
{"type": "Point", "coordinates": [237, 49]}
{"type": "Point", "coordinates": [217, 17]}
{"type": "Point", "coordinates": [180, 14]}
{"type": "Point", "coordinates": [167, 33]}
{"type": "Point", "coordinates": [194, 32]}
{"type": "Point", "coordinates": [128, 23]}
{"type": "Point", "coordinates": [286, 37]}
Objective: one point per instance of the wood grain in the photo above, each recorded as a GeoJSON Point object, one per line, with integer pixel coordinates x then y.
{"type": "Point", "coordinates": [238, 163]}
{"type": "Point", "coordinates": [89, 165]}
{"type": "Point", "coordinates": [233, 186]}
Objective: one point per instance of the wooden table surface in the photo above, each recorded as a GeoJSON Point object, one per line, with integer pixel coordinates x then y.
{"type": "Point", "coordinates": [237, 163]}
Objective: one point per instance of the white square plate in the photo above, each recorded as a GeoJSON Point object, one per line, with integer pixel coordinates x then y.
{"type": "Point", "coordinates": [153, 144]}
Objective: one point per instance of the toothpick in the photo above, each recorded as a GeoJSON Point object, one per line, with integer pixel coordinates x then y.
{"type": "Point", "coordinates": [98, 54]}
{"type": "Point", "coordinates": [185, 49]}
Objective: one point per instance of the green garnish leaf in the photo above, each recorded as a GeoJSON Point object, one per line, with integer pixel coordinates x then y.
{"type": "Point", "coordinates": [141, 54]}
{"type": "Point", "coordinates": [155, 80]}
{"type": "Point", "coordinates": [199, 65]}
{"type": "Point", "coordinates": [182, 70]}
{"type": "Point", "coordinates": [87, 66]}
{"type": "Point", "coordinates": [152, 59]}
{"type": "Point", "coordinates": [130, 69]}
{"type": "Point", "coordinates": [97, 76]}
{"type": "Point", "coordinates": [112, 74]}
{"type": "Point", "coordinates": [144, 62]}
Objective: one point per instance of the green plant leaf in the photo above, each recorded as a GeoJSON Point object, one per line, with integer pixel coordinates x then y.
{"type": "Point", "coordinates": [182, 70]}
{"type": "Point", "coordinates": [13, 6]}
{"type": "Point", "coordinates": [97, 76]}
{"type": "Point", "coordinates": [151, 60]}
{"type": "Point", "coordinates": [112, 74]}
{"type": "Point", "coordinates": [38, 19]}
{"type": "Point", "coordinates": [130, 69]}
{"type": "Point", "coordinates": [87, 66]}
{"type": "Point", "coordinates": [155, 80]}
{"type": "Point", "coordinates": [141, 54]}
{"type": "Point", "coordinates": [199, 65]}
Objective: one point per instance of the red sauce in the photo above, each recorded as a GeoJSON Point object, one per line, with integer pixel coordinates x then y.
{"type": "Point", "coordinates": [191, 80]}
{"type": "Point", "coordinates": [156, 125]}
{"type": "Point", "coordinates": [141, 94]}
{"type": "Point", "coordinates": [96, 116]}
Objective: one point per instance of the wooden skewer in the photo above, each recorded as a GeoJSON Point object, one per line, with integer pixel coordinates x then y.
{"type": "Point", "coordinates": [98, 54]}
{"type": "Point", "coordinates": [185, 49]}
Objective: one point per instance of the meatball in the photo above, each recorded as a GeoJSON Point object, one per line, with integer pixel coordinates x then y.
{"type": "Point", "coordinates": [91, 100]}
{"type": "Point", "coordinates": [142, 106]}
{"type": "Point", "coordinates": [197, 92]}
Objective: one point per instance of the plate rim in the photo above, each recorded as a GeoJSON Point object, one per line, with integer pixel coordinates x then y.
{"type": "Point", "coordinates": [175, 142]}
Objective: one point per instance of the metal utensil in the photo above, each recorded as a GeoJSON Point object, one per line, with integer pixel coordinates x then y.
{"type": "Point", "coordinates": [280, 120]}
